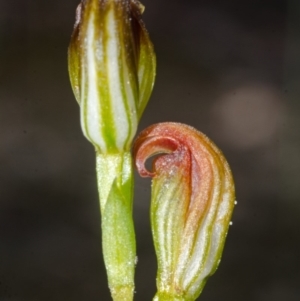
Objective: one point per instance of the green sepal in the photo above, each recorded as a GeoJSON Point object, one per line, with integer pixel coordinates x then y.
{"type": "Point", "coordinates": [74, 63]}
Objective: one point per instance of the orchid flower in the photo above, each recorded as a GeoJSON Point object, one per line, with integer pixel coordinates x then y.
{"type": "Point", "coordinates": [112, 70]}
{"type": "Point", "coordinates": [191, 206]}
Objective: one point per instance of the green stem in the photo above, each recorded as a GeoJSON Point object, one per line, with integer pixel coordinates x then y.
{"type": "Point", "coordinates": [115, 185]}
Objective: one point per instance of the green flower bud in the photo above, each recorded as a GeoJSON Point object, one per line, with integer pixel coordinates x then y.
{"type": "Point", "coordinates": [191, 206]}
{"type": "Point", "coordinates": [112, 70]}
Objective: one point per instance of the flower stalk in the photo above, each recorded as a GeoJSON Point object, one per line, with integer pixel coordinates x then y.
{"type": "Point", "coordinates": [115, 186]}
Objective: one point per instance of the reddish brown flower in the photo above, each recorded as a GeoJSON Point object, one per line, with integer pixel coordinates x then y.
{"type": "Point", "coordinates": [191, 206]}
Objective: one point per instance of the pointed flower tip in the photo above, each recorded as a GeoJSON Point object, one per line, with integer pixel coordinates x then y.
{"type": "Point", "coordinates": [191, 207]}
{"type": "Point", "coordinates": [112, 69]}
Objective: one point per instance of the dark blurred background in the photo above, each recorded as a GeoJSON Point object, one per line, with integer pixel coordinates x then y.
{"type": "Point", "coordinates": [229, 68]}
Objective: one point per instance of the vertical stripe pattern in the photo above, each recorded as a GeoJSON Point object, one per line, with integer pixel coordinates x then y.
{"type": "Point", "coordinates": [112, 71]}
{"type": "Point", "coordinates": [191, 205]}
